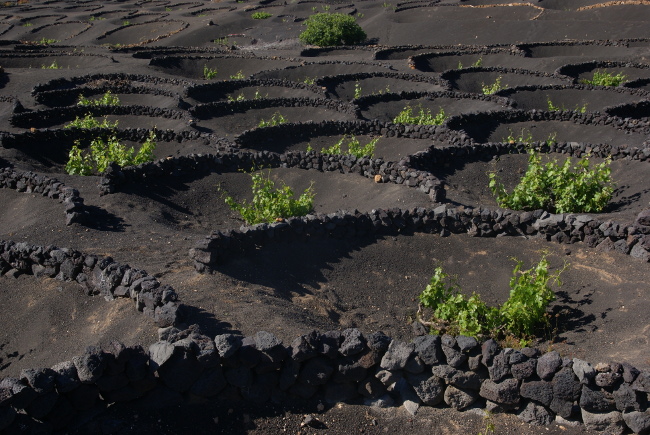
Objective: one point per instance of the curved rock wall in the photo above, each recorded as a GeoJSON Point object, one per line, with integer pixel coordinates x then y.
{"type": "Point", "coordinates": [337, 366]}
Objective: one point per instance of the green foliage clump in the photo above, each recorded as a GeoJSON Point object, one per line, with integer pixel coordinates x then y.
{"type": "Point", "coordinates": [261, 15]}
{"type": "Point", "coordinates": [88, 122]}
{"type": "Point", "coordinates": [270, 203]}
{"type": "Point", "coordinates": [494, 87]}
{"type": "Point", "coordinates": [238, 76]}
{"type": "Point", "coordinates": [424, 117]}
{"type": "Point", "coordinates": [102, 152]}
{"type": "Point", "coordinates": [53, 65]}
{"type": "Point", "coordinates": [276, 119]}
{"type": "Point", "coordinates": [564, 188]}
{"type": "Point", "coordinates": [553, 108]}
{"type": "Point", "coordinates": [209, 73]}
{"type": "Point", "coordinates": [108, 99]}
{"type": "Point", "coordinates": [353, 147]}
{"type": "Point", "coordinates": [604, 78]}
{"type": "Point", "coordinates": [326, 30]}
{"type": "Point", "coordinates": [525, 309]}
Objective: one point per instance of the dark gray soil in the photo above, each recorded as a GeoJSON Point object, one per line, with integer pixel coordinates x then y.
{"type": "Point", "coordinates": [288, 289]}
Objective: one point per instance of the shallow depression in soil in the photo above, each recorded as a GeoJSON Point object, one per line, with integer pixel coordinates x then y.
{"type": "Point", "coordinates": [374, 285]}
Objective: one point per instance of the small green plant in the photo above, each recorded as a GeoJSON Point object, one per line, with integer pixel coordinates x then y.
{"type": "Point", "coordinates": [103, 152]}
{"type": "Point", "coordinates": [27, 24]}
{"type": "Point", "coordinates": [525, 137]}
{"type": "Point", "coordinates": [386, 5]}
{"type": "Point", "coordinates": [238, 76]}
{"type": "Point", "coordinates": [239, 97]}
{"type": "Point", "coordinates": [53, 65]}
{"type": "Point", "coordinates": [565, 188]}
{"type": "Point", "coordinates": [424, 116]}
{"type": "Point", "coordinates": [126, 23]}
{"type": "Point", "coordinates": [476, 64]}
{"type": "Point", "coordinates": [553, 108]}
{"type": "Point", "coordinates": [353, 147]}
{"type": "Point", "coordinates": [222, 41]}
{"type": "Point", "coordinates": [525, 309]}
{"type": "Point", "coordinates": [47, 41]}
{"type": "Point", "coordinates": [489, 428]}
{"type": "Point", "coordinates": [261, 15]}
{"type": "Point", "coordinates": [494, 87]}
{"type": "Point", "coordinates": [325, 8]}
{"type": "Point", "coordinates": [209, 73]}
{"type": "Point", "coordinates": [168, 9]}
{"type": "Point", "coordinates": [108, 99]}
{"type": "Point", "coordinates": [309, 80]}
{"type": "Point", "coordinates": [326, 30]}
{"type": "Point", "coordinates": [357, 90]}
{"type": "Point", "coordinates": [88, 122]}
{"type": "Point", "coordinates": [270, 203]}
{"type": "Point", "coordinates": [276, 119]}
{"type": "Point", "coordinates": [94, 18]}
{"type": "Point", "coordinates": [604, 78]}
{"type": "Point", "coordinates": [359, 15]}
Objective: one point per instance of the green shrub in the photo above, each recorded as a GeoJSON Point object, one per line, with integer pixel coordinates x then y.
{"type": "Point", "coordinates": [357, 90]}
{"type": "Point", "coordinates": [325, 30]}
{"type": "Point", "coordinates": [424, 117]}
{"type": "Point", "coordinates": [553, 108]}
{"type": "Point", "coordinates": [276, 119]}
{"type": "Point", "coordinates": [108, 99]}
{"type": "Point", "coordinates": [494, 87]}
{"type": "Point", "coordinates": [238, 76]}
{"type": "Point", "coordinates": [89, 122]}
{"type": "Point", "coordinates": [53, 65]}
{"type": "Point", "coordinates": [604, 78]}
{"type": "Point", "coordinates": [102, 152]}
{"type": "Point", "coordinates": [209, 73]}
{"type": "Point", "coordinates": [353, 147]}
{"type": "Point", "coordinates": [270, 203]}
{"type": "Point", "coordinates": [525, 309]}
{"type": "Point", "coordinates": [558, 188]}
{"type": "Point", "coordinates": [261, 15]}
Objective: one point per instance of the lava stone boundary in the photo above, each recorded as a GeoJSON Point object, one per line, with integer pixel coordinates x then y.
{"type": "Point", "coordinates": [342, 78]}
{"type": "Point", "coordinates": [164, 61]}
{"type": "Point", "coordinates": [337, 366]}
{"type": "Point", "coordinates": [63, 83]}
{"type": "Point", "coordinates": [235, 160]}
{"type": "Point", "coordinates": [629, 238]}
{"type": "Point", "coordinates": [69, 136]}
{"type": "Point", "coordinates": [46, 54]}
{"type": "Point", "coordinates": [418, 61]}
{"type": "Point", "coordinates": [222, 108]}
{"type": "Point", "coordinates": [512, 116]}
{"type": "Point", "coordinates": [207, 92]}
{"type": "Point", "coordinates": [619, 89]}
{"type": "Point", "coordinates": [97, 275]}
{"type": "Point", "coordinates": [317, 51]}
{"type": "Point", "coordinates": [29, 182]}
{"type": "Point", "coordinates": [526, 48]}
{"type": "Point", "coordinates": [574, 70]}
{"type": "Point", "coordinates": [47, 117]}
{"type": "Point", "coordinates": [69, 97]}
{"type": "Point", "coordinates": [365, 101]}
{"type": "Point", "coordinates": [384, 53]}
{"type": "Point", "coordinates": [183, 24]}
{"type": "Point", "coordinates": [320, 62]}
{"type": "Point", "coordinates": [637, 110]}
{"type": "Point", "coordinates": [453, 74]}
{"type": "Point", "coordinates": [58, 23]}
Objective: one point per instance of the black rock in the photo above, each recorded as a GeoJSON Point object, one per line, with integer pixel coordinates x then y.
{"type": "Point", "coordinates": [428, 348]}
{"type": "Point", "coordinates": [548, 364]}
{"type": "Point", "coordinates": [503, 393]}
{"type": "Point", "coordinates": [539, 391]}
{"type": "Point", "coordinates": [397, 355]}
{"type": "Point", "coordinates": [316, 371]}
